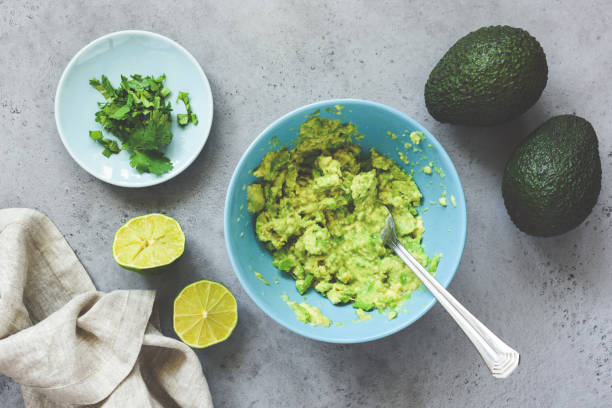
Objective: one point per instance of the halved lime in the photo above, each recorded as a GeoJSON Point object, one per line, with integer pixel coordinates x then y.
{"type": "Point", "coordinates": [205, 313]}
{"type": "Point", "coordinates": [147, 242]}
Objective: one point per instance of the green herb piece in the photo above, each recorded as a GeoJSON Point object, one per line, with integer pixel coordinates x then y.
{"type": "Point", "coordinates": [182, 119]}
{"type": "Point", "coordinates": [110, 146]}
{"type": "Point", "coordinates": [95, 135]}
{"type": "Point", "coordinates": [137, 113]}
{"type": "Point", "coordinates": [184, 96]}
{"type": "Point", "coordinates": [185, 118]}
{"type": "Point", "coordinates": [104, 87]}
{"type": "Point", "coordinates": [150, 161]}
{"type": "Point", "coordinates": [153, 134]}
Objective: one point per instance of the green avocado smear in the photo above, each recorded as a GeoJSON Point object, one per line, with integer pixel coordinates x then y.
{"type": "Point", "coordinates": [319, 209]}
{"type": "Point", "coordinates": [306, 313]}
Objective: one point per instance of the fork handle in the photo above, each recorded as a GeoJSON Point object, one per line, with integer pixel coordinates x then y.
{"type": "Point", "coordinates": [499, 357]}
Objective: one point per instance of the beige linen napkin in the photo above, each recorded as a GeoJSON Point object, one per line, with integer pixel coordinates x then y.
{"type": "Point", "coordinates": [69, 345]}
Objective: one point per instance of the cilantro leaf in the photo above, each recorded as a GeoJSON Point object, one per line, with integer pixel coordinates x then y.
{"type": "Point", "coordinates": [124, 110]}
{"type": "Point", "coordinates": [153, 134]}
{"type": "Point", "coordinates": [111, 146]}
{"type": "Point", "coordinates": [104, 87]}
{"type": "Point", "coordinates": [150, 161]}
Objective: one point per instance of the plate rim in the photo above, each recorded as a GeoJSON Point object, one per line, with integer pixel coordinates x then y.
{"type": "Point", "coordinates": [159, 179]}
{"type": "Point", "coordinates": [232, 187]}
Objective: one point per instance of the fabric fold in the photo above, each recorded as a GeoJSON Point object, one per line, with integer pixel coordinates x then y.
{"type": "Point", "coordinates": [68, 344]}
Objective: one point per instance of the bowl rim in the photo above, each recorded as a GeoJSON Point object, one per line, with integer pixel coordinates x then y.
{"type": "Point", "coordinates": [232, 188]}
{"type": "Point", "coordinates": [207, 125]}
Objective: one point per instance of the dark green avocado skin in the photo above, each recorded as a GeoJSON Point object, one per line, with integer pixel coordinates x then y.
{"type": "Point", "coordinates": [553, 178]}
{"type": "Point", "coordinates": [488, 77]}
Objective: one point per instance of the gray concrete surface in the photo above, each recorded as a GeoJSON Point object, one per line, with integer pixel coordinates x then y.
{"type": "Point", "coordinates": [548, 297]}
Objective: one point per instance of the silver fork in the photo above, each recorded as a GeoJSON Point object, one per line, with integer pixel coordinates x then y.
{"type": "Point", "coordinates": [499, 357]}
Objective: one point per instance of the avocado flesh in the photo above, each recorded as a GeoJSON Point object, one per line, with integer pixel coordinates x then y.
{"type": "Point", "coordinates": [488, 77]}
{"type": "Point", "coordinates": [553, 179]}
{"type": "Point", "coordinates": [322, 210]}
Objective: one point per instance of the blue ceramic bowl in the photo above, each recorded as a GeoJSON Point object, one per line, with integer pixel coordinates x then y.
{"type": "Point", "coordinates": [127, 53]}
{"type": "Point", "coordinates": [445, 226]}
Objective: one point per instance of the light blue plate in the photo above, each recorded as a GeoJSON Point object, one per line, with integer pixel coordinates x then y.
{"type": "Point", "coordinates": [126, 53]}
{"type": "Point", "coordinates": [445, 227]}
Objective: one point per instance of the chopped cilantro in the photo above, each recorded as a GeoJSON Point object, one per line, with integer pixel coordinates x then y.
{"type": "Point", "coordinates": [110, 146]}
{"type": "Point", "coordinates": [184, 118]}
{"type": "Point", "coordinates": [138, 115]}
{"type": "Point", "coordinates": [95, 135]}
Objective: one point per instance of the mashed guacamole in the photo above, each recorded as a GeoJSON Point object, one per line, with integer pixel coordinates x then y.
{"type": "Point", "coordinates": [319, 209]}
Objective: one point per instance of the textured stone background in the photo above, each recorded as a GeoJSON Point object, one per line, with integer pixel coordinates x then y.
{"type": "Point", "coordinates": [550, 298]}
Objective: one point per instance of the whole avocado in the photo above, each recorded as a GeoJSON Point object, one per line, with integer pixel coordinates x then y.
{"type": "Point", "coordinates": [488, 77]}
{"type": "Point", "coordinates": [553, 178]}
